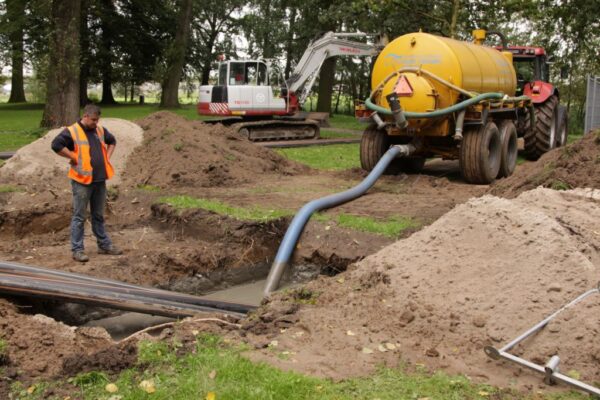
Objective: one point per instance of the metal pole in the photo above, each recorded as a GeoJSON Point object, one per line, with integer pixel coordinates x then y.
{"type": "Point", "coordinates": [543, 323]}
{"type": "Point", "coordinates": [550, 370]}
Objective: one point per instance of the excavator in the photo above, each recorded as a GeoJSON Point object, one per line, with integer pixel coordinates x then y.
{"type": "Point", "coordinates": [253, 98]}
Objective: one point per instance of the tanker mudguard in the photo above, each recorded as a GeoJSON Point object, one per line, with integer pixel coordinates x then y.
{"type": "Point", "coordinates": [539, 91]}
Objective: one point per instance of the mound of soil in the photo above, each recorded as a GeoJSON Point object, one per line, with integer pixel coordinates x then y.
{"type": "Point", "coordinates": [480, 275]}
{"type": "Point", "coordinates": [42, 201]}
{"type": "Point", "coordinates": [38, 168]}
{"type": "Point", "coordinates": [572, 166]}
{"type": "Point", "coordinates": [177, 152]}
{"type": "Point", "coordinates": [38, 345]}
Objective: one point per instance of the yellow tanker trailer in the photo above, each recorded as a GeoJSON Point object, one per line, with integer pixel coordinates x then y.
{"type": "Point", "coordinates": [449, 99]}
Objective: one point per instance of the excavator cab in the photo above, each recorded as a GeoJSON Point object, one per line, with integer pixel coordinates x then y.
{"type": "Point", "coordinates": [243, 89]}
{"type": "Point", "coordinates": [253, 72]}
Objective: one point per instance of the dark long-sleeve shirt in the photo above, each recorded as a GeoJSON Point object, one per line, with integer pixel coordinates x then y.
{"type": "Point", "coordinates": [64, 139]}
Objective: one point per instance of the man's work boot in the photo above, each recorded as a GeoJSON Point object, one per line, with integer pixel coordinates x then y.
{"type": "Point", "coordinates": [80, 256]}
{"type": "Point", "coordinates": [112, 250]}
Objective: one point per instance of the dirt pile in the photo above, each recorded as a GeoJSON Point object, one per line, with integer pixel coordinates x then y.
{"type": "Point", "coordinates": [177, 152]}
{"type": "Point", "coordinates": [38, 345]}
{"type": "Point", "coordinates": [480, 275]}
{"type": "Point", "coordinates": [572, 166]}
{"type": "Point", "coordinates": [38, 168]}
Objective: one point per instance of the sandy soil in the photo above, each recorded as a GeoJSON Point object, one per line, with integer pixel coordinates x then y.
{"type": "Point", "coordinates": [574, 166]}
{"type": "Point", "coordinates": [434, 298]}
{"type": "Point", "coordinates": [480, 275]}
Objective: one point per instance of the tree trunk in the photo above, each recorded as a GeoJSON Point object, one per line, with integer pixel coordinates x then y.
{"type": "Point", "coordinates": [207, 63]}
{"type": "Point", "coordinates": [83, 83]}
{"type": "Point", "coordinates": [85, 55]}
{"type": "Point", "coordinates": [62, 101]}
{"type": "Point", "coordinates": [326, 79]}
{"type": "Point", "coordinates": [16, 12]}
{"type": "Point", "coordinates": [106, 18]}
{"type": "Point", "coordinates": [454, 20]}
{"type": "Point", "coordinates": [205, 74]}
{"type": "Point", "coordinates": [289, 44]}
{"type": "Point", "coordinates": [176, 57]}
{"type": "Point", "coordinates": [339, 93]}
{"type": "Point", "coordinates": [107, 94]}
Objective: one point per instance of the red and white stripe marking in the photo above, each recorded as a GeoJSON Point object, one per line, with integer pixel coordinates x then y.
{"type": "Point", "coordinates": [219, 108]}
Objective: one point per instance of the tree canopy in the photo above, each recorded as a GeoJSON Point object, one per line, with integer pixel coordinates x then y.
{"type": "Point", "coordinates": [124, 43]}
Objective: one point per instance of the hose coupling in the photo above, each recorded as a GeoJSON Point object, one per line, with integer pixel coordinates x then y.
{"type": "Point", "coordinates": [406, 149]}
{"type": "Point", "coordinates": [378, 121]}
{"type": "Point", "coordinates": [397, 112]}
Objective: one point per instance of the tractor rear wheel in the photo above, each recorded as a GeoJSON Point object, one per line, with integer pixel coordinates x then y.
{"type": "Point", "coordinates": [373, 145]}
{"type": "Point", "coordinates": [542, 137]}
{"type": "Point", "coordinates": [562, 130]}
{"type": "Point", "coordinates": [480, 153]}
{"type": "Point", "coordinates": [509, 149]}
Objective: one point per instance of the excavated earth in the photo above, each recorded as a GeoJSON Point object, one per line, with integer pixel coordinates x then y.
{"type": "Point", "coordinates": [437, 295]}
{"type": "Point", "coordinates": [480, 275]}
{"type": "Point", "coordinates": [576, 165]}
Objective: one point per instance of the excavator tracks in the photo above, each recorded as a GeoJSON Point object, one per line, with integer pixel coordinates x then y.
{"type": "Point", "coordinates": [258, 131]}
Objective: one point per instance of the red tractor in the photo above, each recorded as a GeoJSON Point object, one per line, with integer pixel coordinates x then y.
{"type": "Point", "coordinates": [551, 120]}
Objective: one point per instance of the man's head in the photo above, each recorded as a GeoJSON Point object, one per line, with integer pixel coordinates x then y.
{"type": "Point", "coordinates": [91, 116]}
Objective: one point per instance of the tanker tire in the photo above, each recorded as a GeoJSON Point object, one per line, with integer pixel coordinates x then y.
{"type": "Point", "coordinates": [509, 149]}
{"type": "Point", "coordinates": [373, 145]}
{"type": "Point", "coordinates": [562, 127]}
{"type": "Point", "coordinates": [480, 154]}
{"type": "Point", "coordinates": [542, 137]}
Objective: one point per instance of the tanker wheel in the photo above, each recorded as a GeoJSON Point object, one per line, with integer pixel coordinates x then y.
{"type": "Point", "coordinates": [542, 137]}
{"type": "Point", "coordinates": [480, 153]}
{"type": "Point", "coordinates": [373, 145]}
{"type": "Point", "coordinates": [562, 130]}
{"type": "Point", "coordinates": [509, 149]}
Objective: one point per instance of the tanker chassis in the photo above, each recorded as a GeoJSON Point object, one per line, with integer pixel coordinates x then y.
{"type": "Point", "coordinates": [455, 100]}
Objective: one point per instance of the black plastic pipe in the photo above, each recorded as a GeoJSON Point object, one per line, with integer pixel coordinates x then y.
{"type": "Point", "coordinates": [44, 273]}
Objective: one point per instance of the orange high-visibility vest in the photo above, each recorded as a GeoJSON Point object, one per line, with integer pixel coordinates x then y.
{"type": "Point", "coordinates": [82, 172]}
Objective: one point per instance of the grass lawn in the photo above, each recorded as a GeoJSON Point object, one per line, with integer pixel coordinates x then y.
{"type": "Point", "coordinates": [246, 214]}
{"type": "Point", "coordinates": [216, 370]}
{"type": "Point", "coordinates": [344, 121]}
{"type": "Point", "coordinates": [27, 117]}
{"type": "Point", "coordinates": [334, 157]}
{"type": "Point", "coordinates": [391, 227]}
{"type": "Point", "coordinates": [327, 134]}
{"type": "Point", "coordinates": [19, 123]}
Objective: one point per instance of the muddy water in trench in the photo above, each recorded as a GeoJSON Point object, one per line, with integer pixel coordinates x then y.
{"type": "Point", "coordinates": [126, 324]}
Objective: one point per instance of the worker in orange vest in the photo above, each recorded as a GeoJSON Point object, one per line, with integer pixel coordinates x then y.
{"type": "Point", "coordinates": [88, 146]}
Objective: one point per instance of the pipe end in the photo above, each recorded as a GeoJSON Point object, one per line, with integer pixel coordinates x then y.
{"type": "Point", "coordinates": [274, 277]}
{"type": "Point", "coordinates": [492, 352]}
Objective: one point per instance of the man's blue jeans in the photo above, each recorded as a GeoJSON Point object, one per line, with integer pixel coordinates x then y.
{"type": "Point", "coordinates": [94, 195]}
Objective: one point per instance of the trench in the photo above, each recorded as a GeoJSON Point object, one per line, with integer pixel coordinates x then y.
{"type": "Point", "coordinates": [243, 284]}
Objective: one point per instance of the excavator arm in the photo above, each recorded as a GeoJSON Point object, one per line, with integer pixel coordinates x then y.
{"type": "Point", "coordinates": [329, 45]}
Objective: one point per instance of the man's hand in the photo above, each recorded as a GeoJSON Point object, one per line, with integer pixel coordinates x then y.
{"type": "Point", "coordinates": [109, 150]}
{"type": "Point", "coordinates": [66, 153]}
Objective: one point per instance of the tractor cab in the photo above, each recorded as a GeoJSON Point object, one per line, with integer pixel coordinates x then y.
{"type": "Point", "coordinates": [533, 72]}
{"type": "Point", "coordinates": [531, 66]}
